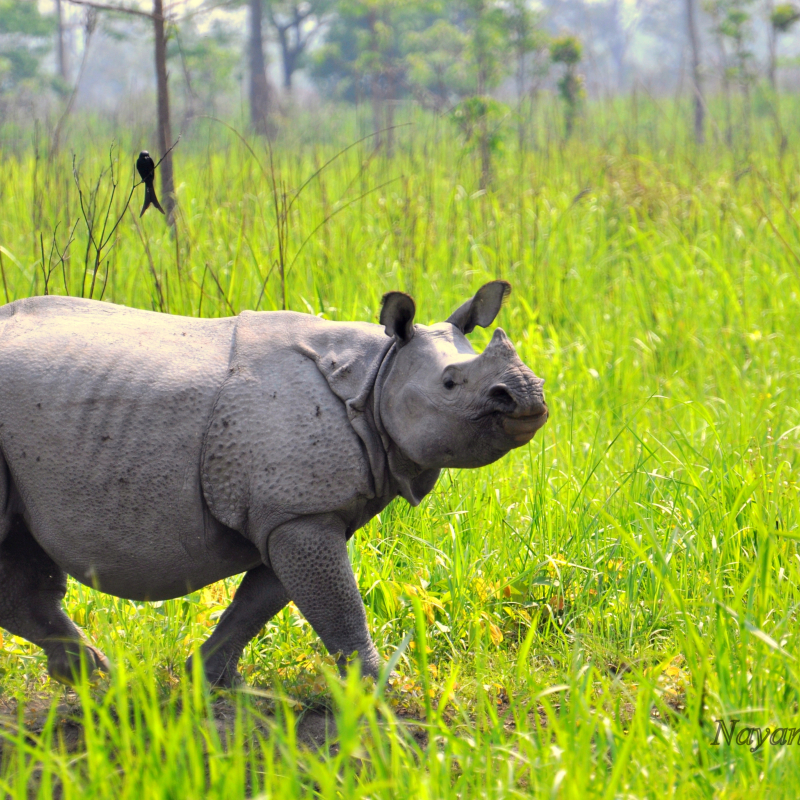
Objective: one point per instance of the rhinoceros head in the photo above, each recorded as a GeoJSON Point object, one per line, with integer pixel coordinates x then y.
{"type": "Point", "coordinates": [443, 404]}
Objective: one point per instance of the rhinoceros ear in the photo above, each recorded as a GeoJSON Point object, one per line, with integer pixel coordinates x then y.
{"type": "Point", "coordinates": [481, 309]}
{"type": "Point", "coordinates": [397, 316]}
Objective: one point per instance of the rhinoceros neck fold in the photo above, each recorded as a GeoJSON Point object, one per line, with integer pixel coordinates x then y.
{"type": "Point", "coordinates": [361, 413]}
{"type": "Point", "coordinates": [411, 481]}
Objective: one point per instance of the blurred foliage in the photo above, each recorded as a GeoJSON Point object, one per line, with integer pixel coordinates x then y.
{"type": "Point", "coordinates": [296, 24]}
{"type": "Point", "coordinates": [784, 16]}
{"type": "Point", "coordinates": [366, 47]}
{"type": "Point", "coordinates": [437, 68]}
{"type": "Point", "coordinates": [208, 61]}
{"type": "Point", "coordinates": [475, 114]}
{"type": "Point", "coordinates": [24, 42]}
{"type": "Point", "coordinates": [439, 52]}
{"type": "Point", "coordinates": [567, 51]}
{"type": "Point", "coordinates": [733, 23]}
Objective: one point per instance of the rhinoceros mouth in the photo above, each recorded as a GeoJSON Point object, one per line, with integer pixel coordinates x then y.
{"type": "Point", "coordinates": [522, 428]}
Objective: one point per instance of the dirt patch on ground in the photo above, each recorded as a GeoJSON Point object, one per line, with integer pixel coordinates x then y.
{"type": "Point", "coordinates": [68, 732]}
{"type": "Point", "coordinates": [315, 728]}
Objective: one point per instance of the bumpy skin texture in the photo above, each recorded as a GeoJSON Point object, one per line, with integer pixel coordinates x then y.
{"type": "Point", "coordinates": [148, 455]}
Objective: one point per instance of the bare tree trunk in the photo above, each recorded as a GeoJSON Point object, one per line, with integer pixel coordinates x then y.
{"type": "Point", "coordinates": [287, 75]}
{"type": "Point", "coordinates": [88, 32]}
{"type": "Point", "coordinates": [376, 90]}
{"type": "Point", "coordinates": [288, 70]}
{"type": "Point", "coordinates": [377, 109]}
{"type": "Point", "coordinates": [482, 80]}
{"type": "Point", "coordinates": [259, 88]}
{"type": "Point", "coordinates": [164, 128]}
{"type": "Point", "coordinates": [62, 54]}
{"type": "Point", "coordinates": [520, 78]}
{"type": "Point", "coordinates": [699, 105]}
{"type": "Point", "coordinates": [772, 58]}
{"type": "Point", "coordinates": [288, 57]}
{"type": "Point", "coordinates": [726, 89]}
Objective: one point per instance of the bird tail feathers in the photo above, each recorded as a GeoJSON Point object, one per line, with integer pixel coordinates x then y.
{"type": "Point", "coordinates": [150, 199]}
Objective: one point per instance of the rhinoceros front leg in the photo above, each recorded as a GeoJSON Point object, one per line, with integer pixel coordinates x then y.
{"type": "Point", "coordinates": [260, 597]}
{"type": "Point", "coordinates": [309, 557]}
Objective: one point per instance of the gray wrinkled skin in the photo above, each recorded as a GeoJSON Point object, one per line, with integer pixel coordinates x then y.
{"type": "Point", "coordinates": [149, 455]}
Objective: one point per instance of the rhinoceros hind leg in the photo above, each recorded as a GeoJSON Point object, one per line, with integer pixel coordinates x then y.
{"type": "Point", "coordinates": [310, 559]}
{"type": "Point", "coordinates": [260, 597]}
{"type": "Point", "coordinates": [32, 587]}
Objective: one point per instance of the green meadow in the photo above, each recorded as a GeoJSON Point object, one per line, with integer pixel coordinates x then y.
{"type": "Point", "coordinates": [590, 616]}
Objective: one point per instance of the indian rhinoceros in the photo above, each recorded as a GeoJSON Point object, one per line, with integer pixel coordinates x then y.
{"type": "Point", "coordinates": [149, 455]}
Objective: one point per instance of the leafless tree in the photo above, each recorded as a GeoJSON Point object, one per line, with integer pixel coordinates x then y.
{"type": "Point", "coordinates": [259, 88]}
{"type": "Point", "coordinates": [694, 44]}
{"type": "Point", "coordinates": [158, 19]}
{"type": "Point", "coordinates": [296, 23]}
{"type": "Point", "coordinates": [62, 55]}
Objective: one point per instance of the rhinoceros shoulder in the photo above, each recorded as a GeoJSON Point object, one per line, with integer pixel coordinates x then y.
{"type": "Point", "coordinates": [287, 436]}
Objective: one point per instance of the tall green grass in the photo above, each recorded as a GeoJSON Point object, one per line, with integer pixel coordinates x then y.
{"type": "Point", "coordinates": [582, 611]}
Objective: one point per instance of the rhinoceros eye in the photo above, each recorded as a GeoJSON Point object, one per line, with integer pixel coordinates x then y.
{"type": "Point", "coordinates": [449, 383]}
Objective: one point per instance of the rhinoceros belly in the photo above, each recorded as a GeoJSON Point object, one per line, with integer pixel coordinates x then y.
{"type": "Point", "coordinates": [103, 411]}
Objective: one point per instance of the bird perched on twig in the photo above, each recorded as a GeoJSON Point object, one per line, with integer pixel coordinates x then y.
{"type": "Point", "coordinates": [147, 170]}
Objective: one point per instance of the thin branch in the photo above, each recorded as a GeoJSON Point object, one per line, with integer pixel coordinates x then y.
{"type": "Point", "coordinates": [137, 12]}
{"type": "Point", "coordinates": [175, 144]}
{"type": "Point", "coordinates": [240, 137]}
{"type": "Point", "coordinates": [68, 108]}
{"type": "Point", "coordinates": [340, 153]}
{"type": "Point", "coordinates": [334, 213]}
{"type": "Point", "coordinates": [153, 273]}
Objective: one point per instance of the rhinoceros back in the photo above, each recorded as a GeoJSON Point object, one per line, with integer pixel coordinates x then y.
{"type": "Point", "coordinates": [103, 410]}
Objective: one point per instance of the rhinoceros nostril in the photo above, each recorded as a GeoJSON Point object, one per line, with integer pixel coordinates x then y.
{"type": "Point", "coordinates": [501, 397]}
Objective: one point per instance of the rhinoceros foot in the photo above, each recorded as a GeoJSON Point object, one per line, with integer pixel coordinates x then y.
{"type": "Point", "coordinates": [66, 661]}
{"type": "Point", "coordinates": [220, 671]}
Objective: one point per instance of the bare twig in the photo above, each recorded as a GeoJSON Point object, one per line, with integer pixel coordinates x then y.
{"type": "Point", "coordinates": [137, 12]}
{"type": "Point", "coordinates": [51, 263]}
{"type": "Point", "coordinates": [334, 213]}
{"type": "Point", "coordinates": [169, 150]}
{"type": "Point", "coordinates": [340, 153]}
{"type": "Point", "coordinates": [153, 273]}
{"type": "Point", "coordinates": [99, 241]}
{"type": "Point", "coordinates": [89, 29]}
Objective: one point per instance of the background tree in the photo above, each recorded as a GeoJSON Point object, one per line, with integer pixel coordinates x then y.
{"type": "Point", "coordinates": [61, 45]}
{"type": "Point", "coordinates": [259, 87]}
{"type": "Point", "coordinates": [732, 26]}
{"type": "Point", "coordinates": [164, 122]}
{"type": "Point", "coordinates": [487, 26]}
{"type": "Point", "coordinates": [297, 25]}
{"type": "Point", "coordinates": [438, 73]}
{"type": "Point", "coordinates": [366, 54]}
{"type": "Point", "coordinates": [164, 126]}
{"type": "Point", "coordinates": [24, 42]}
{"type": "Point", "coordinates": [782, 19]}
{"type": "Point", "coordinates": [529, 43]}
{"type": "Point", "coordinates": [566, 51]}
{"type": "Point", "coordinates": [697, 78]}
{"type": "Point", "coordinates": [613, 32]}
{"type": "Point", "coordinates": [208, 62]}
{"type": "Point", "coordinates": [260, 96]}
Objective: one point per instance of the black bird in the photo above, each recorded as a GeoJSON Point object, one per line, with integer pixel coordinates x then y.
{"type": "Point", "coordinates": [147, 169]}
